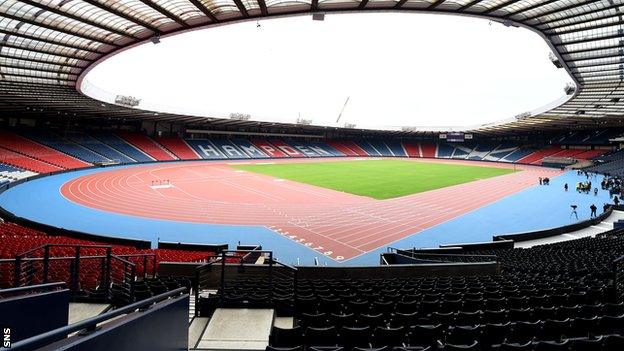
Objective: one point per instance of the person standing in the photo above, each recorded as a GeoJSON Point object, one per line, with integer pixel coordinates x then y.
{"type": "Point", "coordinates": [593, 209]}
{"type": "Point", "coordinates": [574, 213]}
{"type": "Point", "coordinates": [616, 200]}
{"type": "Point", "coordinates": [565, 186]}
{"type": "Point", "coordinates": [540, 180]}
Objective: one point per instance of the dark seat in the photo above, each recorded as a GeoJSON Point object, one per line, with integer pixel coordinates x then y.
{"type": "Point", "coordinates": [613, 343]}
{"type": "Point", "coordinates": [313, 320]}
{"type": "Point", "coordinates": [611, 324]}
{"type": "Point", "coordinates": [495, 333]}
{"type": "Point", "coordinates": [388, 336]}
{"type": "Point", "coordinates": [321, 336]}
{"type": "Point", "coordinates": [516, 347]}
{"type": "Point", "coordinates": [286, 337]}
{"type": "Point", "coordinates": [472, 347]}
{"type": "Point", "coordinates": [555, 329]}
{"type": "Point", "coordinates": [463, 335]}
{"type": "Point", "coordinates": [586, 344]}
{"type": "Point", "coordinates": [523, 332]}
{"type": "Point", "coordinates": [352, 336]}
{"type": "Point", "coordinates": [552, 346]}
{"type": "Point", "coordinates": [425, 335]}
{"type": "Point", "coordinates": [275, 348]}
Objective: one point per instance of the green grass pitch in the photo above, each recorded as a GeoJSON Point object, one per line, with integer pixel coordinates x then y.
{"type": "Point", "coordinates": [379, 179]}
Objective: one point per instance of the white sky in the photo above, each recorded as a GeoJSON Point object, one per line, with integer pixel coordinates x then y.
{"type": "Point", "coordinates": [397, 69]}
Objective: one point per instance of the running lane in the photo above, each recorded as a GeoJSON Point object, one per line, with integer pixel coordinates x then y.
{"type": "Point", "coordinates": [336, 224]}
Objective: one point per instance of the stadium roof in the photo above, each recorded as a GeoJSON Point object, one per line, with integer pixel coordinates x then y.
{"type": "Point", "coordinates": [46, 47]}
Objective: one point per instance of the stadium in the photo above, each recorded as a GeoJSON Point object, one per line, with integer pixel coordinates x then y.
{"type": "Point", "coordinates": [124, 226]}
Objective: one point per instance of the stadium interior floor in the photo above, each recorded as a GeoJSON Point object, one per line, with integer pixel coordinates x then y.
{"type": "Point", "coordinates": [537, 207]}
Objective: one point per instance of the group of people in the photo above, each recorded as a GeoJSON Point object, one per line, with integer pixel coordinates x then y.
{"type": "Point", "coordinates": [544, 181]}
{"type": "Point", "coordinates": [612, 184]}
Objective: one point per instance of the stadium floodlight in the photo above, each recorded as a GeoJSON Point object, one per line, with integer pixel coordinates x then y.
{"type": "Point", "coordinates": [304, 122]}
{"type": "Point", "coordinates": [240, 116]}
{"type": "Point", "coordinates": [318, 16]}
{"type": "Point", "coordinates": [569, 89]}
{"type": "Point", "coordinates": [555, 60]}
{"type": "Point", "coordinates": [155, 39]}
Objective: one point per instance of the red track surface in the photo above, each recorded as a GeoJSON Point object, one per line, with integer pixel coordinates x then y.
{"type": "Point", "coordinates": [339, 225]}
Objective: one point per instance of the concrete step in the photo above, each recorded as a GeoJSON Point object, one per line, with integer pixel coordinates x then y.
{"type": "Point", "coordinates": [237, 329]}
{"type": "Point", "coordinates": [79, 311]}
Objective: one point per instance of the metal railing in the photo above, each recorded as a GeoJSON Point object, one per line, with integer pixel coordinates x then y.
{"type": "Point", "coordinates": [444, 258]}
{"type": "Point", "coordinates": [4, 293]}
{"type": "Point", "coordinates": [231, 269]}
{"type": "Point", "coordinates": [90, 325]}
{"type": "Point", "coordinates": [81, 267]}
{"type": "Point", "coordinates": [618, 279]}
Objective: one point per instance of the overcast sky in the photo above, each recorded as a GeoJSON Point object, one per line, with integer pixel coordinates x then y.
{"type": "Point", "coordinates": [396, 69]}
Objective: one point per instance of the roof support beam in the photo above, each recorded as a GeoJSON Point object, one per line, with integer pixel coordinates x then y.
{"type": "Point", "coordinates": [469, 5]}
{"type": "Point", "coordinates": [76, 18]}
{"type": "Point", "coordinates": [500, 6]}
{"type": "Point", "coordinates": [51, 42]}
{"type": "Point", "coordinates": [561, 9]}
{"type": "Point", "coordinates": [122, 15]}
{"type": "Point", "coordinates": [60, 30]}
{"type": "Point", "coordinates": [551, 31]}
{"type": "Point", "coordinates": [314, 5]}
{"type": "Point", "coordinates": [575, 15]}
{"type": "Point", "coordinates": [241, 7]}
{"type": "Point", "coordinates": [400, 4]}
{"type": "Point", "coordinates": [30, 60]}
{"type": "Point", "coordinates": [529, 8]}
{"type": "Point", "coordinates": [363, 4]}
{"type": "Point", "coordinates": [164, 12]}
{"type": "Point", "coordinates": [204, 10]}
{"type": "Point", "coordinates": [38, 70]}
{"type": "Point", "coordinates": [44, 52]}
{"type": "Point", "coordinates": [435, 4]}
{"type": "Point", "coordinates": [589, 40]}
{"type": "Point", "coordinates": [35, 77]}
{"type": "Point", "coordinates": [263, 7]}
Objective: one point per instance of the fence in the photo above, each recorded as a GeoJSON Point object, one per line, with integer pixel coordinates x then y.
{"type": "Point", "coordinates": [81, 267]}
{"type": "Point", "coordinates": [232, 275]}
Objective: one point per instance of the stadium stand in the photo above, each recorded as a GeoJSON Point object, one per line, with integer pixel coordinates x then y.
{"type": "Point", "coordinates": [381, 147]}
{"type": "Point", "coordinates": [147, 145]}
{"type": "Point", "coordinates": [429, 150]}
{"type": "Point", "coordinates": [9, 174]}
{"type": "Point", "coordinates": [345, 150]}
{"type": "Point", "coordinates": [368, 148]}
{"type": "Point", "coordinates": [537, 156]}
{"type": "Point", "coordinates": [100, 147]}
{"type": "Point", "coordinates": [206, 149]}
{"type": "Point", "coordinates": [558, 294]}
{"type": "Point", "coordinates": [229, 149]}
{"type": "Point", "coordinates": [269, 148]}
{"type": "Point", "coordinates": [354, 147]}
{"type": "Point", "coordinates": [396, 147]}
{"type": "Point", "coordinates": [21, 145]}
{"type": "Point", "coordinates": [65, 146]}
{"type": "Point", "coordinates": [22, 161]}
{"type": "Point", "coordinates": [412, 149]}
{"type": "Point", "coordinates": [324, 149]}
{"type": "Point", "coordinates": [287, 149]}
{"type": "Point", "coordinates": [249, 148]}
{"type": "Point", "coordinates": [178, 147]}
{"type": "Point", "coordinates": [444, 151]}
{"type": "Point", "coordinates": [123, 147]}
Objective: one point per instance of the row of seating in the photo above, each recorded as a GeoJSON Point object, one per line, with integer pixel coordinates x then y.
{"type": "Point", "coordinates": [612, 342]}
{"type": "Point", "coordinates": [128, 147]}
